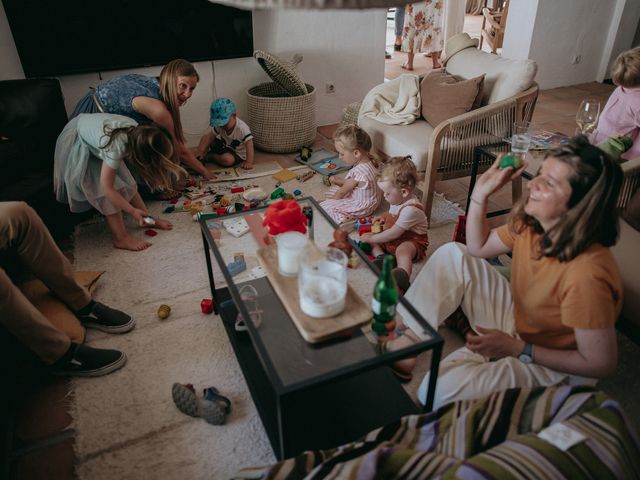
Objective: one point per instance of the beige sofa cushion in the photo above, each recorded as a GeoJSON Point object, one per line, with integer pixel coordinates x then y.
{"type": "Point", "coordinates": [400, 140]}
{"type": "Point", "coordinates": [504, 77]}
{"type": "Point", "coordinates": [444, 96]}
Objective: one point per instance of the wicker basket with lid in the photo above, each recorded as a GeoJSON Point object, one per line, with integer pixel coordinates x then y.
{"type": "Point", "coordinates": [281, 114]}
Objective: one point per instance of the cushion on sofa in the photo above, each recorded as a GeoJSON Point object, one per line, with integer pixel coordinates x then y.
{"type": "Point", "coordinates": [400, 140]}
{"type": "Point", "coordinates": [54, 309]}
{"type": "Point", "coordinates": [445, 96]}
{"type": "Point", "coordinates": [504, 77]}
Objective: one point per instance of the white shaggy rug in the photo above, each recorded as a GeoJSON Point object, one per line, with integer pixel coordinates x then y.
{"type": "Point", "coordinates": [126, 423]}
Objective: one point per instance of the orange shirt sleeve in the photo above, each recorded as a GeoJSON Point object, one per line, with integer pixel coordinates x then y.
{"type": "Point", "coordinates": [506, 235]}
{"type": "Point", "coordinates": [591, 295]}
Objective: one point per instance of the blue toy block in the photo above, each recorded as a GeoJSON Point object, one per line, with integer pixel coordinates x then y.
{"type": "Point", "coordinates": [236, 267]}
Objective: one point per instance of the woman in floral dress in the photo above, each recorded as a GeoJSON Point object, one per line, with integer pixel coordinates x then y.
{"type": "Point", "coordinates": [423, 31]}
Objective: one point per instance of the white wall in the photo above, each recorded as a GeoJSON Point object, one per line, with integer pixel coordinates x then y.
{"type": "Point", "coordinates": [621, 34]}
{"type": "Point", "coordinates": [553, 32]}
{"type": "Point", "coordinates": [340, 46]}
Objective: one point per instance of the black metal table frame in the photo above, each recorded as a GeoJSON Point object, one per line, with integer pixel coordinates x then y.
{"type": "Point", "coordinates": [276, 428]}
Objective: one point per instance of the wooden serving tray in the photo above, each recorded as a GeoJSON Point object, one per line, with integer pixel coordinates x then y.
{"type": "Point", "coordinates": [313, 330]}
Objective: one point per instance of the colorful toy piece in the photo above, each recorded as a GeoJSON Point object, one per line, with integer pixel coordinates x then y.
{"type": "Point", "coordinates": [206, 305]}
{"type": "Point", "coordinates": [237, 189]}
{"type": "Point", "coordinates": [164, 311]}
{"type": "Point", "coordinates": [297, 192]}
{"type": "Point", "coordinates": [150, 232]}
{"type": "Point", "coordinates": [237, 266]}
{"type": "Point", "coordinates": [305, 176]}
{"type": "Point", "coordinates": [365, 247]}
{"type": "Point", "coordinates": [149, 220]}
{"type": "Point", "coordinates": [277, 193]}
{"type": "Point", "coordinates": [377, 226]}
{"type": "Point", "coordinates": [363, 224]}
{"type": "Point", "coordinates": [511, 160]}
{"type": "Point", "coordinates": [305, 153]}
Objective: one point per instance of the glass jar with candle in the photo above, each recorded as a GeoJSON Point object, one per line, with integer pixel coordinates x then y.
{"type": "Point", "coordinates": [322, 281]}
{"type": "Point", "coordinates": [290, 248]}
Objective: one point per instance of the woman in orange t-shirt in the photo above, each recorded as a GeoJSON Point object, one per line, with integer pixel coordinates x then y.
{"type": "Point", "coordinates": [553, 321]}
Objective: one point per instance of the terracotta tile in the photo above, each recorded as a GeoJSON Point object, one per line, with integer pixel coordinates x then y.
{"type": "Point", "coordinates": [44, 412]}
{"type": "Point", "coordinates": [568, 92]}
{"type": "Point", "coordinates": [54, 461]}
{"type": "Point", "coordinates": [596, 87]}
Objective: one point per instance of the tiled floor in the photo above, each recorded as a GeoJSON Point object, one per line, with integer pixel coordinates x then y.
{"type": "Point", "coordinates": [43, 438]}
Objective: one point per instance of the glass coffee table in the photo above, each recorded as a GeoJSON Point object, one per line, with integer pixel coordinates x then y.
{"type": "Point", "coordinates": [308, 396]}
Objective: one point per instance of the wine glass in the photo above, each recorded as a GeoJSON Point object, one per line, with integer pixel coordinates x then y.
{"type": "Point", "coordinates": [587, 115]}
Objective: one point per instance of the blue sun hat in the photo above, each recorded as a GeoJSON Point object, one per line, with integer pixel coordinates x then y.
{"type": "Point", "coordinates": [221, 111]}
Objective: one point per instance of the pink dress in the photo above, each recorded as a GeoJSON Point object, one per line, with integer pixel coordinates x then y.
{"type": "Point", "coordinates": [621, 116]}
{"type": "Point", "coordinates": [362, 201]}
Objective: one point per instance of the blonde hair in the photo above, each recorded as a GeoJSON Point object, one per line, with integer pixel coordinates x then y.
{"type": "Point", "coordinates": [169, 90]}
{"type": "Point", "coordinates": [401, 172]}
{"type": "Point", "coordinates": [626, 69]}
{"type": "Point", "coordinates": [591, 216]}
{"type": "Point", "coordinates": [355, 138]}
{"type": "Point", "coordinates": [149, 153]}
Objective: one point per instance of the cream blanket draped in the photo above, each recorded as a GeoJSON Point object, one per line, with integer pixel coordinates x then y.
{"type": "Point", "coordinates": [396, 102]}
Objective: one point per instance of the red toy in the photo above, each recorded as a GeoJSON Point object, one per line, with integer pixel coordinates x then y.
{"type": "Point", "coordinates": [237, 189]}
{"type": "Point", "coordinates": [221, 211]}
{"type": "Point", "coordinates": [285, 216]}
{"type": "Point", "coordinates": [206, 305]}
{"type": "Point", "coordinates": [150, 232]}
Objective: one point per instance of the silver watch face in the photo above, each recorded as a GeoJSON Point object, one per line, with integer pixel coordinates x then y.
{"type": "Point", "coordinates": [524, 358]}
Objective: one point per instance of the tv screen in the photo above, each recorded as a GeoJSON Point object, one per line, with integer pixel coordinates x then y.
{"type": "Point", "coordinates": [76, 36]}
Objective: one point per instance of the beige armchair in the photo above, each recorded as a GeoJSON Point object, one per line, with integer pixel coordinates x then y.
{"type": "Point", "coordinates": [445, 151]}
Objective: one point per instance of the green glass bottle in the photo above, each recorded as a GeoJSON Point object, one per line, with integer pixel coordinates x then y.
{"type": "Point", "coordinates": [384, 301]}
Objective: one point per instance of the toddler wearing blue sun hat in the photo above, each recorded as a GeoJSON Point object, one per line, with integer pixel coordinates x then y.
{"type": "Point", "coordinates": [229, 141]}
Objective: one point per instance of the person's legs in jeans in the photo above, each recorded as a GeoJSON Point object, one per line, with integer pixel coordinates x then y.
{"type": "Point", "coordinates": [22, 231]}
{"type": "Point", "coordinates": [399, 26]}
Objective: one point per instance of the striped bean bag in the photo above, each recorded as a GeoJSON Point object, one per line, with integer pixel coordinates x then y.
{"type": "Point", "coordinates": [491, 438]}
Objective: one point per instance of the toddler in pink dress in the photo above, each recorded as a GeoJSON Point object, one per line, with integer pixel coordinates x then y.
{"type": "Point", "coordinates": [357, 194]}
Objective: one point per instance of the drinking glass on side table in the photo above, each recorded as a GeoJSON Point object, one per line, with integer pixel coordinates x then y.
{"type": "Point", "coordinates": [587, 115]}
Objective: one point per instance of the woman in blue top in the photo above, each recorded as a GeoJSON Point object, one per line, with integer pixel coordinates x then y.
{"type": "Point", "coordinates": [150, 99]}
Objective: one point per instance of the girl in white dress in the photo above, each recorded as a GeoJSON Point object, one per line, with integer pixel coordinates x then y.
{"type": "Point", "coordinates": [357, 194]}
{"type": "Point", "coordinates": [93, 156]}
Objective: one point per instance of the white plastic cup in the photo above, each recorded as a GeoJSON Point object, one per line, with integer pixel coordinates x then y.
{"type": "Point", "coordinates": [290, 248]}
{"type": "Point", "coordinates": [322, 282]}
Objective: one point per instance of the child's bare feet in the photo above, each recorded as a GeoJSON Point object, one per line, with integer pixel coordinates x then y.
{"type": "Point", "coordinates": [406, 66]}
{"type": "Point", "coordinates": [131, 243]}
{"type": "Point", "coordinates": [163, 224]}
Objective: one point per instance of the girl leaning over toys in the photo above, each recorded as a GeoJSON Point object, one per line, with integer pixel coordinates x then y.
{"type": "Point", "coordinates": [97, 160]}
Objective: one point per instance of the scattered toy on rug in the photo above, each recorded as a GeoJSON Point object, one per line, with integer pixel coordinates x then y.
{"type": "Point", "coordinates": [212, 406]}
{"type": "Point", "coordinates": [164, 311]}
{"type": "Point", "coordinates": [305, 153]}
{"type": "Point", "coordinates": [206, 305]}
{"type": "Point", "coordinates": [150, 232]}
{"type": "Point", "coordinates": [305, 176]}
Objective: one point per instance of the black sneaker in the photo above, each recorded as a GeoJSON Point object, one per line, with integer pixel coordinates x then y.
{"type": "Point", "coordinates": [106, 319]}
{"type": "Point", "coordinates": [85, 361]}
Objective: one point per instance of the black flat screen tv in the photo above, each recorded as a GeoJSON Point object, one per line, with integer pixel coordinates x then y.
{"type": "Point", "coordinates": [77, 36]}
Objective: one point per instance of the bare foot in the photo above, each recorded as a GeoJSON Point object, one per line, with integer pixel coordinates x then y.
{"type": "Point", "coordinates": [437, 65]}
{"type": "Point", "coordinates": [406, 66]}
{"type": "Point", "coordinates": [131, 243]}
{"type": "Point", "coordinates": [163, 224]}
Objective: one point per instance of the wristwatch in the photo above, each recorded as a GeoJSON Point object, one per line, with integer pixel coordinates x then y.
{"type": "Point", "coordinates": [526, 356]}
